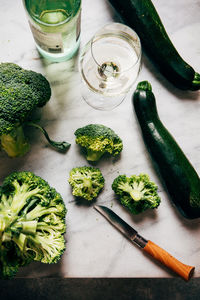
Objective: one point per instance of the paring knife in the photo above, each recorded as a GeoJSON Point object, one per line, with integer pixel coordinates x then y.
{"type": "Point", "coordinates": [155, 251]}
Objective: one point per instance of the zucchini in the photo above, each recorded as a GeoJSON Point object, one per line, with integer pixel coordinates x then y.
{"type": "Point", "coordinates": [142, 16]}
{"type": "Point", "coordinates": [177, 173]}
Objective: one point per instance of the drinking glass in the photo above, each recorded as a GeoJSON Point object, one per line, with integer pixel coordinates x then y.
{"type": "Point", "coordinates": [109, 65]}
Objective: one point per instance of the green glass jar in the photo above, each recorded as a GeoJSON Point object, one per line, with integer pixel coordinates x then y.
{"type": "Point", "coordinates": [55, 25]}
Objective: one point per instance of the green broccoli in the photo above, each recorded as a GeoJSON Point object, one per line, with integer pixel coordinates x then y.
{"type": "Point", "coordinates": [21, 91]}
{"type": "Point", "coordinates": [86, 182]}
{"type": "Point", "coordinates": [137, 193]}
{"type": "Point", "coordinates": [98, 139]}
{"type": "Point", "coordinates": [32, 222]}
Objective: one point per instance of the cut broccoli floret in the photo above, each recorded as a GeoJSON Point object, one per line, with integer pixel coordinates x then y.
{"type": "Point", "coordinates": [98, 139]}
{"type": "Point", "coordinates": [137, 193]}
{"type": "Point", "coordinates": [86, 182]}
{"type": "Point", "coordinates": [21, 91]}
{"type": "Point", "coordinates": [32, 222]}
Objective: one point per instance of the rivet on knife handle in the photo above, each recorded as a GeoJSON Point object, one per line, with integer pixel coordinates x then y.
{"type": "Point", "coordinates": [168, 260]}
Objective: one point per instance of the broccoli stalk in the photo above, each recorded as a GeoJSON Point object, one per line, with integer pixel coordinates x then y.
{"type": "Point", "coordinates": [14, 143]}
{"type": "Point", "coordinates": [137, 193]}
{"type": "Point", "coordinates": [136, 190]}
{"type": "Point", "coordinates": [28, 227]}
{"type": "Point", "coordinates": [32, 222]}
{"type": "Point", "coordinates": [93, 155]}
{"type": "Point", "coordinates": [96, 140]}
{"type": "Point", "coordinates": [21, 92]}
{"type": "Point", "coordinates": [86, 182]}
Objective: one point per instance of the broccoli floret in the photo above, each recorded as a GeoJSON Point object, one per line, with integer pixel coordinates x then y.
{"type": "Point", "coordinates": [98, 139]}
{"type": "Point", "coordinates": [137, 193]}
{"type": "Point", "coordinates": [86, 182]}
{"type": "Point", "coordinates": [21, 91]}
{"type": "Point", "coordinates": [32, 222]}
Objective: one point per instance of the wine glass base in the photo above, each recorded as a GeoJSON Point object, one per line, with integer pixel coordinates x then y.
{"type": "Point", "coordinates": [100, 102]}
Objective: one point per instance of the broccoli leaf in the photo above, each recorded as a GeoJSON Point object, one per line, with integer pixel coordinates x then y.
{"type": "Point", "coordinates": [61, 146]}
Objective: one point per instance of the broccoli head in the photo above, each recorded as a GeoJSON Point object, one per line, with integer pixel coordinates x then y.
{"type": "Point", "coordinates": [86, 182]}
{"type": "Point", "coordinates": [32, 222]}
{"type": "Point", "coordinates": [98, 139]}
{"type": "Point", "coordinates": [21, 91]}
{"type": "Point", "coordinates": [137, 193]}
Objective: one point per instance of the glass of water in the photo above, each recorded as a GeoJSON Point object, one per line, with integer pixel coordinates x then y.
{"type": "Point", "coordinates": [109, 65]}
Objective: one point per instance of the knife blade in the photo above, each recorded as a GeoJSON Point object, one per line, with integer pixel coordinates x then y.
{"type": "Point", "coordinates": [148, 246]}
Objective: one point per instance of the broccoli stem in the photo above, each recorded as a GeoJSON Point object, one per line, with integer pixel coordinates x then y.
{"type": "Point", "coordinates": [15, 143]}
{"type": "Point", "coordinates": [20, 198]}
{"type": "Point", "coordinates": [20, 240]}
{"type": "Point", "coordinates": [87, 185]}
{"type": "Point", "coordinates": [7, 236]}
{"type": "Point", "coordinates": [93, 155]}
{"type": "Point", "coordinates": [26, 227]}
{"type": "Point", "coordinates": [51, 228]}
{"type": "Point", "coordinates": [136, 195]}
{"type": "Point", "coordinates": [7, 219]}
{"type": "Point", "coordinates": [2, 224]}
{"type": "Point", "coordinates": [39, 211]}
{"type": "Point", "coordinates": [60, 146]}
{"type": "Point", "coordinates": [33, 201]}
{"type": "Point", "coordinates": [136, 192]}
{"type": "Point", "coordinates": [29, 227]}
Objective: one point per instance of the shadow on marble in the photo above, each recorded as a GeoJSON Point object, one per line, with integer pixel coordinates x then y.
{"type": "Point", "coordinates": [12, 164]}
{"type": "Point", "coordinates": [189, 224]}
{"type": "Point", "coordinates": [83, 202]}
{"type": "Point", "coordinates": [150, 214]}
{"type": "Point", "coordinates": [38, 269]}
{"type": "Point", "coordinates": [113, 14]}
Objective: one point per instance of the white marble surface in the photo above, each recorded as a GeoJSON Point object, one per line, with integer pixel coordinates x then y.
{"type": "Point", "coordinates": [94, 248]}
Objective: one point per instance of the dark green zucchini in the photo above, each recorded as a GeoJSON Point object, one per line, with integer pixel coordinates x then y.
{"type": "Point", "coordinates": [177, 173]}
{"type": "Point", "coordinates": [142, 16]}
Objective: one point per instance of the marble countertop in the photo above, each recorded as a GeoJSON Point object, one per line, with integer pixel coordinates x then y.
{"type": "Point", "coordinates": [94, 248]}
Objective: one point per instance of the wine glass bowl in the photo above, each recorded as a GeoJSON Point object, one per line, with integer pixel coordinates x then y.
{"type": "Point", "coordinates": [109, 65]}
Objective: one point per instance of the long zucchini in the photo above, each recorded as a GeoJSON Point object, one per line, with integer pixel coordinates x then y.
{"type": "Point", "coordinates": [179, 176]}
{"type": "Point", "coordinates": [142, 16]}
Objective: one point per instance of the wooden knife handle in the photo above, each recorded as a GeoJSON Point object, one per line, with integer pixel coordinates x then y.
{"type": "Point", "coordinates": [168, 260]}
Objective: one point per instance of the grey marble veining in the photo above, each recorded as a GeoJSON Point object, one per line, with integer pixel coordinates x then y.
{"type": "Point", "coordinates": [94, 248]}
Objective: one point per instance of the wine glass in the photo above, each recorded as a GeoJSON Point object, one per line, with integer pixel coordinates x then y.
{"type": "Point", "coordinates": [109, 65]}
